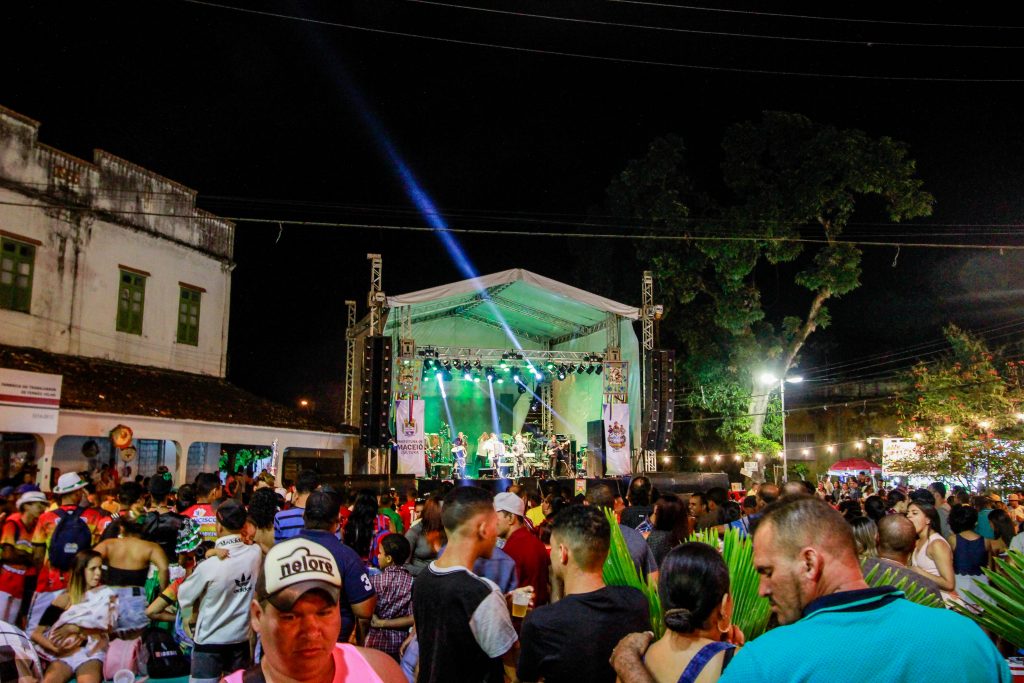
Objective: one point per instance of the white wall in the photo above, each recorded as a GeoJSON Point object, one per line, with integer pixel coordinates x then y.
{"type": "Point", "coordinates": [76, 276]}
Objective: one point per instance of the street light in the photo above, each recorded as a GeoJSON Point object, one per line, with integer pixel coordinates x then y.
{"type": "Point", "coordinates": [769, 378]}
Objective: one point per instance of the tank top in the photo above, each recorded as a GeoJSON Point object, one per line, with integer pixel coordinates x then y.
{"type": "Point", "coordinates": [703, 656]}
{"type": "Point", "coordinates": [969, 556]}
{"type": "Point", "coordinates": [920, 559]}
{"type": "Point", "coordinates": [349, 667]}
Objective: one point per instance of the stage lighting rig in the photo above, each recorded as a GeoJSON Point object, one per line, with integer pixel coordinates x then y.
{"type": "Point", "coordinates": [490, 374]}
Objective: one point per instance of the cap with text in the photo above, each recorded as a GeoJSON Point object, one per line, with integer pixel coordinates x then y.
{"type": "Point", "coordinates": [295, 567]}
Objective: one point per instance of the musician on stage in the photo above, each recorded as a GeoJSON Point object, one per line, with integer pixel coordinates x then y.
{"type": "Point", "coordinates": [519, 452]}
{"type": "Point", "coordinates": [459, 454]}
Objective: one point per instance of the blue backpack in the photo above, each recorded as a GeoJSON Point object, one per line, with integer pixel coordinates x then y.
{"type": "Point", "coordinates": [69, 537]}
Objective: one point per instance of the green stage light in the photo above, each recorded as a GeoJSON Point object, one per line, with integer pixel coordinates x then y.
{"type": "Point", "coordinates": [500, 380]}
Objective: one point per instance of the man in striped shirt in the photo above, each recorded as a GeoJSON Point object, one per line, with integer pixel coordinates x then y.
{"type": "Point", "coordinates": [288, 523]}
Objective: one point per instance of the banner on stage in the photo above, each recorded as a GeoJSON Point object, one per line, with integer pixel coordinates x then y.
{"type": "Point", "coordinates": [616, 377]}
{"type": "Point", "coordinates": [409, 437]}
{"type": "Point", "coordinates": [616, 438]}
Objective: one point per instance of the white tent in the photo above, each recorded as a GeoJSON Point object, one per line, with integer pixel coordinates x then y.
{"type": "Point", "coordinates": [520, 312]}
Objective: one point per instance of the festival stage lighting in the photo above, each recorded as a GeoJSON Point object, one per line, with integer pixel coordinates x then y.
{"type": "Point", "coordinates": [550, 365]}
{"type": "Point", "coordinates": [504, 365]}
{"type": "Point", "coordinates": [580, 369]}
{"type": "Point", "coordinates": [457, 364]}
{"type": "Point", "coordinates": [522, 389]}
{"type": "Point", "coordinates": [447, 366]}
{"type": "Point", "coordinates": [561, 373]}
{"type": "Point", "coordinates": [478, 365]}
{"type": "Point", "coordinates": [516, 378]}
{"type": "Point", "coordinates": [590, 369]}
{"type": "Point", "coordinates": [439, 376]}
{"type": "Point", "coordinates": [538, 376]}
{"type": "Point", "coordinates": [600, 366]}
{"type": "Point", "coordinates": [467, 375]}
{"type": "Point", "coordinates": [476, 379]}
{"type": "Point", "coordinates": [490, 374]}
{"type": "Point", "coordinates": [447, 376]}
{"type": "Point", "coordinates": [500, 380]}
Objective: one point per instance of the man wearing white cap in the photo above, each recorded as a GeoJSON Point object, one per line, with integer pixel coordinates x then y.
{"type": "Point", "coordinates": [18, 571]}
{"type": "Point", "coordinates": [530, 555]}
{"type": "Point", "coordinates": [72, 512]}
{"type": "Point", "coordinates": [295, 612]}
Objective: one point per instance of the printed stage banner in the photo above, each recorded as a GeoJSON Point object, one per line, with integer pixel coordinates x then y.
{"type": "Point", "coordinates": [616, 438]}
{"type": "Point", "coordinates": [410, 440]}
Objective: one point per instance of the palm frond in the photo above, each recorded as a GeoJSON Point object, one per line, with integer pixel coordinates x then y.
{"type": "Point", "coordinates": [911, 590]}
{"type": "Point", "coordinates": [620, 570]}
{"type": "Point", "coordinates": [1001, 609]}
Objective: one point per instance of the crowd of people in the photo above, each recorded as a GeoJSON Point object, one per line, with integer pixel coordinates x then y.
{"type": "Point", "coordinates": [238, 580]}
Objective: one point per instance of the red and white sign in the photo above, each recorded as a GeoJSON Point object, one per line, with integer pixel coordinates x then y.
{"type": "Point", "coordinates": [29, 401]}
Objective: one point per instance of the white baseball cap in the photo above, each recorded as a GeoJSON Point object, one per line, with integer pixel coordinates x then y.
{"type": "Point", "coordinates": [295, 567]}
{"type": "Point", "coordinates": [509, 502]}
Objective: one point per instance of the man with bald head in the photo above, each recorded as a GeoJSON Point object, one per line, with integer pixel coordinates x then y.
{"type": "Point", "coordinates": [807, 560]}
{"type": "Point", "coordinates": [896, 540]}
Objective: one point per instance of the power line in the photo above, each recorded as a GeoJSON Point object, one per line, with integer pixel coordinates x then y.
{"type": "Point", "coordinates": [602, 58]}
{"type": "Point", "coordinates": [719, 34]}
{"type": "Point", "coordinates": [545, 233]}
{"type": "Point", "coordinates": [811, 17]}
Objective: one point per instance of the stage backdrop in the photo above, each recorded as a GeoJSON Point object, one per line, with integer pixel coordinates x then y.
{"type": "Point", "coordinates": [616, 438]}
{"type": "Point", "coordinates": [409, 428]}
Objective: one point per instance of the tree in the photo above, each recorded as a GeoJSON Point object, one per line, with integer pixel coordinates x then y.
{"type": "Point", "coordinates": [784, 179]}
{"type": "Point", "coordinates": [964, 411]}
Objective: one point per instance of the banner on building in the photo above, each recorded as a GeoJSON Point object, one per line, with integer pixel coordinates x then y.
{"type": "Point", "coordinates": [29, 401]}
{"type": "Point", "coordinates": [409, 436]}
{"type": "Point", "coordinates": [616, 438]}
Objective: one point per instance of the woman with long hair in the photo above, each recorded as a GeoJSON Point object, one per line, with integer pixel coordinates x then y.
{"type": "Point", "coordinates": [74, 651]}
{"type": "Point", "coordinates": [932, 557]}
{"type": "Point", "coordinates": [865, 536]}
{"type": "Point", "coordinates": [670, 523]}
{"type": "Point", "coordinates": [970, 551]}
{"type": "Point", "coordinates": [694, 591]}
{"type": "Point", "coordinates": [364, 524]}
{"type": "Point", "coordinates": [426, 536]}
{"type": "Point", "coordinates": [1002, 529]}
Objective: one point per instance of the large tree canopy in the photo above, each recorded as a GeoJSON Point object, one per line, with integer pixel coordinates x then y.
{"type": "Point", "coordinates": [964, 412]}
{"type": "Point", "coordinates": [789, 187]}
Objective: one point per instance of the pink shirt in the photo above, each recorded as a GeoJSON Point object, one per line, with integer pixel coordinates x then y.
{"type": "Point", "coordinates": [349, 667]}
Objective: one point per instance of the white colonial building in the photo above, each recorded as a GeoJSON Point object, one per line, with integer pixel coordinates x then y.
{"type": "Point", "coordinates": [112, 278]}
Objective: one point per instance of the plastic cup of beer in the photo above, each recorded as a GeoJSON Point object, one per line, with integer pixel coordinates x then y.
{"type": "Point", "coordinates": [520, 602]}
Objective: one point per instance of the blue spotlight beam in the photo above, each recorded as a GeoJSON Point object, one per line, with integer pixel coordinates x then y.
{"type": "Point", "coordinates": [495, 425]}
{"type": "Point", "coordinates": [425, 205]}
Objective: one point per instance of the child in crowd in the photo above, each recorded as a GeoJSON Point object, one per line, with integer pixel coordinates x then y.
{"type": "Point", "coordinates": [392, 616]}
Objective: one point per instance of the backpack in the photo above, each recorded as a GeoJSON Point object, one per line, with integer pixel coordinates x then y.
{"type": "Point", "coordinates": [161, 656]}
{"type": "Point", "coordinates": [69, 536]}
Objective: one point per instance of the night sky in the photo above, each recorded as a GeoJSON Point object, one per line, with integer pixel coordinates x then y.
{"type": "Point", "coordinates": [266, 117]}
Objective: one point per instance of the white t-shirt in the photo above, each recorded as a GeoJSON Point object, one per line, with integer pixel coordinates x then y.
{"type": "Point", "coordinates": [1017, 542]}
{"type": "Point", "coordinates": [225, 588]}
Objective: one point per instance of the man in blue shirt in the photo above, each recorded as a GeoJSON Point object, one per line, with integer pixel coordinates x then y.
{"type": "Point", "coordinates": [805, 554]}
{"type": "Point", "coordinates": [288, 523]}
{"type": "Point", "coordinates": [358, 598]}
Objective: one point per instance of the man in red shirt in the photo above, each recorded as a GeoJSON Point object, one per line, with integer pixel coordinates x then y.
{"type": "Point", "coordinates": [70, 492]}
{"type": "Point", "coordinates": [204, 512]}
{"type": "Point", "coordinates": [18, 571]}
{"type": "Point", "coordinates": [408, 508]}
{"type": "Point", "coordinates": [530, 555]}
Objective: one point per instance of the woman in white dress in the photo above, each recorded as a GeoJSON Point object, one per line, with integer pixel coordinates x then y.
{"type": "Point", "coordinates": [932, 557]}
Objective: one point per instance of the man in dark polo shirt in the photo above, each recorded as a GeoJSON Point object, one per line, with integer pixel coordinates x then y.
{"type": "Point", "coordinates": [529, 553]}
{"type": "Point", "coordinates": [572, 639]}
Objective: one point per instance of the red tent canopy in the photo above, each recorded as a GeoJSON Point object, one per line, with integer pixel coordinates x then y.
{"type": "Point", "coordinates": [855, 465]}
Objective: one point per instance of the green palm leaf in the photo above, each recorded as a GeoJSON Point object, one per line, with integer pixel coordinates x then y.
{"type": "Point", "coordinates": [1002, 611]}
